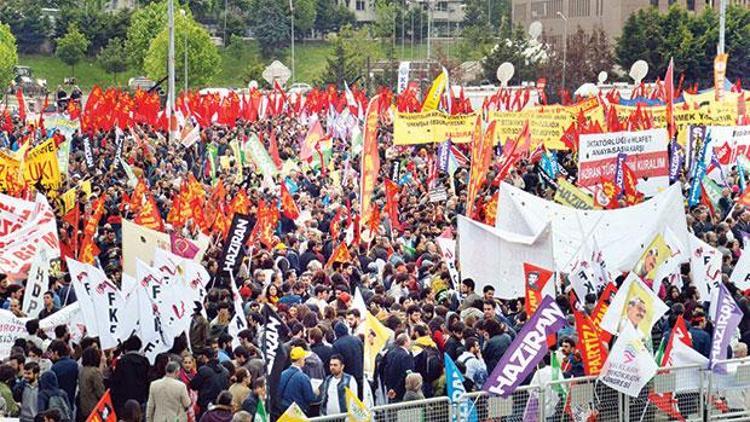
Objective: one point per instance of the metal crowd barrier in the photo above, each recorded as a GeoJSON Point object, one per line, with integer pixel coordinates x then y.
{"type": "Point", "coordinates": [687, 393]}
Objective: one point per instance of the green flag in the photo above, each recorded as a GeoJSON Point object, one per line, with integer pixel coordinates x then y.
{"type": "Point", "coordinates": [260, 413]}
{"type": "Point", "coordinates": [557, 375]}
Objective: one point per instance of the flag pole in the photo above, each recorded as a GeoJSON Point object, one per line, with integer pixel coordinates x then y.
{"type": "Point", "coordinates": [170, 69]}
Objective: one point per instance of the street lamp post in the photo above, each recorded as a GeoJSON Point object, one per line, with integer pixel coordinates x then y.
{"type": "Point", "coordinates": [429, 29]}
{"type": "Point", "coordinates": [291, 8]}
{"type": "Point", "coordinates": [170, 67]}
{"type": "Point", "coordinates": [182, 12]}
{"type": "Point", "coordinates": [565, 45]}
{"type": "Point", "coordinates": [722, 25]}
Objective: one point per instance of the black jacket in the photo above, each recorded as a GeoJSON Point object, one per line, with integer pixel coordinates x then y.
{"type": "Point", "coordinates": [351, 349]}
{"type": "Point", "coordinates": [211, 379]}
{"type": "Point", "coordinates": [397, 362]}
{"type": "Point", "coordinates": [130, 380]}
{"type": "Point", "coordinates": [324, 352]}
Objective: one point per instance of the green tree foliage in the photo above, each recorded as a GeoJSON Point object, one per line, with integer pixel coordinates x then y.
{"type": "Point", "coordinates": [71, 48]}
{"type": "Point", "coordinates": [515, 47]}
{"type": "Point", "coordinates": [8, 55]}
{"type": "Point", "coordinates": [348, 61]}
{"type": "Point", "coordinates": [689, 38]}
{"type": "Point", "coordinates": [99, 26]}
{"type": "Point", "coordinates": [113, 58]}
{"type": "Point", "coordinates": [476, 13]}
{"type": "Point", "coordinates": [27, 23]}
{"type": "Point", "coordinates": [304, 17]}
{"type": "Point", "coordinates": [588, 54]}
{"type": "Point", "coordinates": [270, 23]}
{"type": "Point", "coordinates": [145, 24]}
{"type": "Point", "coordinates": [331, 16]}
{"type": "Point", "coordinates": [203, 57]}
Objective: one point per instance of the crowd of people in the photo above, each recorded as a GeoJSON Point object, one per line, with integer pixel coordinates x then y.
{"type": "Point", "coordinates": [210, 376]}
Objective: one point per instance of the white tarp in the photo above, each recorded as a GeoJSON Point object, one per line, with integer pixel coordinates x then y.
{"type": "Point", "coordinates": [139, 242]}
{"type": "Point", "coordinates": [621, 235]}
{"type": "Point", "coordinates": [495, 257]}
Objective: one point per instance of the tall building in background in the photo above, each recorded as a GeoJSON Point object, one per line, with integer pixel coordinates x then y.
{"type": "Point", "coordinates": [607, 14]}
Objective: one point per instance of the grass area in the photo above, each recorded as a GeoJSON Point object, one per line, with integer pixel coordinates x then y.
{"type": "Point", "coordinates": [310, 64]}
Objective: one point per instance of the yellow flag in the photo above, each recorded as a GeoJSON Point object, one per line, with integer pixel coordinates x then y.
{"type": "Point", "coordinates": [570, 195]}
{"type": "Point", "coordinates": [355, 409]}
{"type": "Point", "coordinates": [432, 100]}
{"type": "Point", "coordinates": [641, 308]}
{"type": "Point", "coordinates": [293, 414]}
{"type": "Point", "coordinates": [9, 172]}
{"type": "Point", "coordinates": [655, 254]}
{"type": "Point", "coordinates": [86, 187]}
{"type": "Point", "coordinates": [40, 165]}
{"type": "Point", "coordinates": [376, 336]}
{"type": "Point", "coordinates": [67, 201]}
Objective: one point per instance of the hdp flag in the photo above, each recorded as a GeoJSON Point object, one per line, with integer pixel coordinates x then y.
{"type": "Point", "coordinates": [454, 381]}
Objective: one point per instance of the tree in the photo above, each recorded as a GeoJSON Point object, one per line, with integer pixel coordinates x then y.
{"type": "Point", "coordinates": [98, 26]}
{"type": "Point", "coordinates": [331, 16]}
{"type": "Point", "coordinates": [271, 25]}
{"type": "Point", "coordinates": [688, 38]}
{"type": "Point", "coordinates": [527, 56]}
{"type": "Point", "coordinates": [113, 58]}
{"type": "Point", "coordinates": [27, 23]}
{"type": "Point", "coordinates": [348, 62]}
{"type": "Point", "coordinates": [145, 24]}
{"type": "Point", "coordinates": [588, 53]}
{"type": "Point", "coordinates": [304, 17]}
{"type": "Point", "coordinates": [71, 48]}
{"type": "Point", "coordinates": [8, 55]}
{"type": "Point", "coordinates": [477, 12]}
{"type": "Point", "coordinates": [203, 57]}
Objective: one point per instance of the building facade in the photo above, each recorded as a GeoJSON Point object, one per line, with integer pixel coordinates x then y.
{"type": "Point", "coordinates": [607, 14]}
{"type": "Point", "coordinates": [446, 14]}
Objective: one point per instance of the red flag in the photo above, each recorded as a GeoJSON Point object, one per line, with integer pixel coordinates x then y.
{"type": "Point", "coordinates": [535, 280]}
{"type": "Point", "coordinates": [273, 149]}
{"type": "Point", "coordinates": [340, 254]}
{"type": "Point", "coordinates": [335, 226]}
{"type": "Point", "coordinates": [291, 211]}
{"type": "Point", "coordinates": [104, 410]}
{"type": "Point", "coordinates": [21, 105]}
{"type": "Point", "coordinates": [149, 215]}
{"type": "Point", "coordinates": [679, 333]}
{"type": "Point", "coordinates": [592, 348]}
{"type": "Point", "coordinates": [391, 204]}
{"type": "Point", "coordinates": [601, 308]}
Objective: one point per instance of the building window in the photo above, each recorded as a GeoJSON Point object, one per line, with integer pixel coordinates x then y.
{"type": "Point", "coordinates": [691, 5]}
{"type": "Point", "coordinates": [519, 12]}
{"type": "Point", "coordinates": [360, 5]}
{"type": "Point", "coordinates": [546, 8]}
{"type": "Point", "coordinates": [442, 6]}
{"type": "Point", "coordinates": [577, 8]}
{"type": "Point", "coordinates": [655, 3]}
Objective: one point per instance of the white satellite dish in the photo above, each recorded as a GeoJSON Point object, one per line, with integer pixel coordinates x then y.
{"type": "Point", "coordinates": [602, 77]}
{"type": "Point", "coordinates": [535, 30]}
{"type": "Point", "coordinates": [505, 73]}
{"type": "Point", "coordinates": [586, 90]}
{"type": "Point", "coordinates": [638, 71]}
{"type": "Point", "coordinates": [253, 84]}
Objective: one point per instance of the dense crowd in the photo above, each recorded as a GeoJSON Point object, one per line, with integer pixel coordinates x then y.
{"type": "Point", "coordinates": [396, 269]}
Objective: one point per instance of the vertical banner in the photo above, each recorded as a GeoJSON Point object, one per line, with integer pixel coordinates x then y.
{"type": "Point", "coordinates": [536, 279]}
{"type": "Point", "coordinates": [403, 76]}
{"type": "Point", "coordinates": [370, 161]}
{"type": "Point", "coordinates": [88, 153]}
{"type": "Point", "coordinates": [231, 256]}
{"type": "Point", "coordinates": [36, 284]}
{"type": "Point", "coordinates": [275, 334]}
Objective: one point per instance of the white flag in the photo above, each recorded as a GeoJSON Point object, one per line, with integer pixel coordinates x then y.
{"type": "Point", "coordinates": [741, 273]}
{"type": "Point", "coordinates": [36, 284]}
{"type": "Point", "coordinates": [629, 365]}
{"type": "Point", "coordinates": [705, 267]}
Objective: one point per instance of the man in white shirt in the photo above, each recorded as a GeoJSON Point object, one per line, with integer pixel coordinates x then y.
{"type": "Point", "coordinates": [332, 391]}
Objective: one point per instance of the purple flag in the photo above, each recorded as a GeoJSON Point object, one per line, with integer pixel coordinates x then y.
{"type": "Point", "coordinates": [727, 319]}
{"type": "Point", "coordinates": [675, 161]}
{"type": "Point", "coordinates": [619, 174]}
{"type": "Point", "coordinates": [529, 347]}
{"type": "Point", "coordinates": [531, 411]}
{"type": "Point", "coordinates": [443, 154]}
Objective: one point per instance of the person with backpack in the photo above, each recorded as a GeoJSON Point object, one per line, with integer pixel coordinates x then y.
{"type": "Point", "coordinates": [471, 364]}
{"type": "Point", "coordinates": [52, 397]}
{"type": "Point", "coordinates": [428, 360]}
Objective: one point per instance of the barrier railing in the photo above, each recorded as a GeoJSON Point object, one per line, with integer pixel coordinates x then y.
{"type": "Point", "coordinates": [690, 393]}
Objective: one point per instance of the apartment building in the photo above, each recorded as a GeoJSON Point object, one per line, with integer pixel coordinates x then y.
{"type": "Point", "coordinates": [446, 14]}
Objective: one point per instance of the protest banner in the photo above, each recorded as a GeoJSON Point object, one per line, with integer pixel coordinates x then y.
{"type": "Point", "coordinates": [432, 127]}
{"type": "Point", "coordinates": [69, 316]}
{"type": "Point", "coordinates": [273, 335]}
{"type": "Point", "coordinates": [537, 286]}
{"type": "Point", "coordinates": [448, 252]}
{"type": "Point", "coordinates": [146, 307]}
{"type": "Point", "coordinates": [728, 143]}
{"type": "Point", "coordinates": [546, 125]}
{"type": "Point", "coordinates": [11, 328]}
{"type": "Point", "coordinates": [646, 153]}
{"type": "Point", "coordinates": [726, 320]}
{"type": "Point", "coordinates": [527, 349]}
{"type": "Point", "coordinates": [370, 160]}
{"type": "Point", "coordinates": [593, 350]}
{"type": "Point", "coordinates": [37, 284]}
{"type": "Point", "coordinates": [705, 266]}
{"type": "Point", "coordinates": [570, 195]}
{"type": "Point", "coordinates": [10, 175]}
{"type": "Point", "coordinates": [629, 366]}
{"type": "Point", "coordinates": [634, 305]}
{"type": "Point", "coordinates": [454, 383]}
{"type": "Point", "coordinates": [40, 165]}
{"type": "Point", "coordinates": [25, 227]}
{"type": "Point", "coordinates": [140, 243]}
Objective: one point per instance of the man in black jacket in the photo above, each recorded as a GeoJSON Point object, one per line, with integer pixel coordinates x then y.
{"type": "Point", "coordinates": [130, 378]}
{"type": "Point", "coordinates": [321, 349]}
{"type": "Point", "coordinates": [211, 379]}
{"type": "Point", "coordinates": [398, 362]}
{"type": "Point", "coordinates": [351, 349]}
